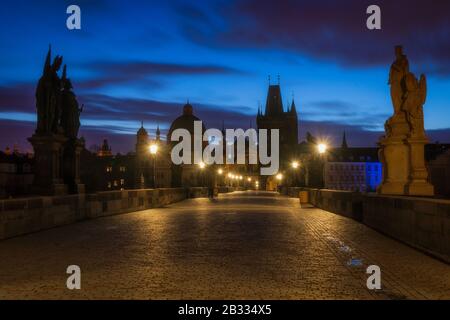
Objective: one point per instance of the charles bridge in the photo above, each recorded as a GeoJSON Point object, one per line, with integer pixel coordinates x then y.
{"type": "Point", "coordinates": [157, 244]}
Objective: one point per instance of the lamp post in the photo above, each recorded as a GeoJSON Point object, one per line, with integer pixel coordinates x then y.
{"type": "Point", "coordinates": [295, 165]}
{"type": "Point", "coordinates": [202, 167]}
{"type": "Point", "coordinates": [322, 149]}
{"type": "Point", "coordinates": [154, 152]}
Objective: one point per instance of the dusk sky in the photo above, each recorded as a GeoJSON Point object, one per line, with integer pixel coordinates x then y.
{"type": "Point", "coordinates": [139, 61]}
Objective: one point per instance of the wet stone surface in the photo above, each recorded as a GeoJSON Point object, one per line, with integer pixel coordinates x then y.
{"type": "Point", "coordinates": [240, 246]}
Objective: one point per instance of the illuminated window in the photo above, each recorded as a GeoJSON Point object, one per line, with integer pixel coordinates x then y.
{"type": "Point", "coordinates": [122, 182]}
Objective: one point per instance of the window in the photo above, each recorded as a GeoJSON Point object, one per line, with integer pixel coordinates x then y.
{"type": "Point", "coordinates": [122, 182]}
{"type": "Point", "coordinates": [108, 169]}
{"type": "Point", "coordinates": [115, 183]}
{"type": "Point", "coordinates": [123, 169]}
{"type": "Point", "coordinates": [109, 185]}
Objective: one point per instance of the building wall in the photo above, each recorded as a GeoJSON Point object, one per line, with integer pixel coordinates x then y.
{"type": "Point", "coordinates": [439, 170]}
{"type": "Point", "coordinates": [353, 176]}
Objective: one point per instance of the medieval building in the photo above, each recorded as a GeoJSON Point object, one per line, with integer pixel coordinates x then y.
{"type": "Point", "coordinates": [286, 121]}
{"type": "Point", "coordinates": [275, 117]}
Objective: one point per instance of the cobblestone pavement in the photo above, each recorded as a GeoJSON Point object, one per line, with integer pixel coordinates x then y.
{"type": "Point", "coordinates": [240, 246]}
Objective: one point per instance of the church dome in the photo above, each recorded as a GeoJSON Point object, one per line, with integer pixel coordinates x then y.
{"type": "Point", "coordinates": [185, 121]}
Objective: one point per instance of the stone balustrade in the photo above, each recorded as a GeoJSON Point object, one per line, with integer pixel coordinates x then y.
{"type": "Point", "coordinates": [27, 215]}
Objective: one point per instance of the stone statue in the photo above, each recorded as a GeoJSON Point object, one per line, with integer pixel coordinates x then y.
{"type": "Point", "coordinates": [414, 99]}
{"type": "Point", "coordinates": [399, 69]}
{"type": "Point", "coordinates": [402, 148]}
{"type": "Point", "coordinates": [56, 146]}
{"type": "Point", "coordinates": [70, 117]}
{"type": "Point", "coordinates": [48, 97]}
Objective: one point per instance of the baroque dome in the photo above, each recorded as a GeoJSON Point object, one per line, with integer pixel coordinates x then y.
{"type": "Point", "coordinates": [185, 121]}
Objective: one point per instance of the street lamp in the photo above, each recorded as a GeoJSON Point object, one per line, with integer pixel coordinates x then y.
{"type": "Point", "coordinates": [220, 172]}
{"type": "Point", "coordinates": [295, 164]}
{"type": "Point", "coordinates": [202, 165]}
{"type": "Point", "coordinates": [279, 177]}
{"type": "Point", "coordinates": [322, 148]}
{"type": "Point", "coordinates": [153, 151]}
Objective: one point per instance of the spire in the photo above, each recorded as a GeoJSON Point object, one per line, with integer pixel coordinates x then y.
{"type": "Point", "coordinates": [293, 108]}
{"type": "Point", "coordinates": [274, 103]}
{"type": "Point", "coordinates": [142, 124]}
{"type": "Point", "coordinates": [158, 133]}
{"type": "Point", "coordinates": [344, 142]}
{"type": "Point", "coordinates": [223, 128]}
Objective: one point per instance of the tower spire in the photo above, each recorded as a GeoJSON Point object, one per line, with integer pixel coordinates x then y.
{"type": "Point", "coordinates": [344, 141]}
{"type": "Point", "coordinates": [158, 133]}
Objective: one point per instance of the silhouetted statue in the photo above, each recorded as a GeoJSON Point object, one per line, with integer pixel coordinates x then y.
{"type": "Point", "coordinates": [402, 149]}
{"type": "Point", "coordinates": [48, 97]}
{"type": "Point", "coordinates": [70, 117]}
{"type": "Point", "coordinates": [415, 97]}
{"type": "Point", "coordinates": [397, 74]}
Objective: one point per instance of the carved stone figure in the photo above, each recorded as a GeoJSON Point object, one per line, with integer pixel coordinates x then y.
{"type": "Point", "coordinates": [56, 146]}
{"type": "Point", "coordinates": [48, 97]}
{"type": "Point", "coordinates": [414, 100]}
{"type": "Point", "coordinates": [402, 148]}
{"type": "Point", "coordinates": [399, 69]}
{"type": "Point", "coordinates": [70, 116]}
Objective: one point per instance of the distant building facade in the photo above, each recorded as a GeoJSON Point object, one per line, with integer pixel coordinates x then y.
{"type": "Point", "coordinates": [104, 171]}
{"type": "Point", "coordinates": [352, 169]}
{"type": "Point", "coordinates": [438, 163]}
{"type": "Point", "coordinates": [16, 173]}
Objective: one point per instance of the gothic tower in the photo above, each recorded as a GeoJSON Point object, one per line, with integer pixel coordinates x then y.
{"type": "Point", "coordinates": [275, 117]}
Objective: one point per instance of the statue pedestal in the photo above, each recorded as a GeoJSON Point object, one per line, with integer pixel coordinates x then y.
{"type": "Point", "coordinates": [395, 166]}
{"type": "Point", "coordinates": [402, 156]}
{"type": "Point", "coordinates": [71, 174]}
{"type": "Point", "coordinates": [48, 150]}
{"type": "Point", "coordinates": [418, 184]}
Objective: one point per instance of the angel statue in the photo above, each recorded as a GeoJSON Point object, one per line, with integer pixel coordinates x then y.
{"type": "Point", "coordinates": [414, 99]}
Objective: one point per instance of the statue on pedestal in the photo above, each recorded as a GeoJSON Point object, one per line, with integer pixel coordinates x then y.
{"type": "Point", "coordinates": [55, 141]}
{"type": "Point", "coordinates": [402, 148]}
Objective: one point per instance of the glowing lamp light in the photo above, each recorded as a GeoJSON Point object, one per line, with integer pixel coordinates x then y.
{"type": "Point", "coordinates": [202, 165]}
{"type": "Point", "coordinates": [220, 171]}
{"type": "Point", "coordinates": [279, 177]}
{"type": "Point", "coordinates": [153, 149]}
{"type": "Point", "coordinates": [295, 164]}
{"type": "Point", "coordinates": [322, 148]}
{"type": "Point", "coordinates": [249, 179]}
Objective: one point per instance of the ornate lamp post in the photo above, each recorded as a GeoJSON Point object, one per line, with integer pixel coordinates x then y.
{"type": "Point", "coordinates": [154, 152]}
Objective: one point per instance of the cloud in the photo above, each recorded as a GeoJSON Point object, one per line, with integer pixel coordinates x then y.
{"type": "Point", "coordinates": [332, 30]}
{"type": "Point", "coordinates": [145, 73]}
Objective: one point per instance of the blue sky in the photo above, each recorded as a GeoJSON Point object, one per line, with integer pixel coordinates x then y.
{"type": "Point", "coordinates": [141, 60]}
